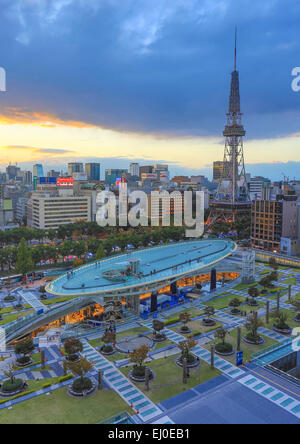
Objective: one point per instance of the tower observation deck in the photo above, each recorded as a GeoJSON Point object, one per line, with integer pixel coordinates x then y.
{"type": "Point", "coordinates": [232, 200]}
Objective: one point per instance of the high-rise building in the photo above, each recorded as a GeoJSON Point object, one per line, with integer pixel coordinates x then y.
{"type": "Point", "coordinates": [259, 188]}
{"type": "Point", "coordinates": [53, 173]}
{"type": "Point", "coordinates": [232, 200]}
{"type": "Point", "coordinates": [114, 175]}
{"type": "Point", "coordinates": [75, 167]}
{"type": "Point", "coordinates": [12, 172]}
{"type": "Point", "coordinates": [92, 171]}
{"type": "Point", "coordinates": [134, 169]}
{"type": "Point", "coordinates": [38, 170]}
{"type": "Point", "coordinates": [52, 212]}
{"type": "Point", "coordinates": [273, 220]}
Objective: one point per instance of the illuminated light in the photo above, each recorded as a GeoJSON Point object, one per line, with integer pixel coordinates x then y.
{"type": "Point", "coordinates": [66, 182]}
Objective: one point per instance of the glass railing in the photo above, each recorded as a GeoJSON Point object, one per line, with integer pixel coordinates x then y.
{"type": "Point", "coordinates": [121, 418]}
{"type": "Point", "coordinates": [271, 348]}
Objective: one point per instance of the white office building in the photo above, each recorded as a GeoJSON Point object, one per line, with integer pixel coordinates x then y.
{"type": "Point", "coordinates": [51, 212]}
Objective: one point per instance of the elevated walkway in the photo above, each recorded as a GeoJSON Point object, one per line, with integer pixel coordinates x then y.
{"type": "Point", "coordinates": [28, 324]}
{"type": "Point", "coordinates": [32, 300]}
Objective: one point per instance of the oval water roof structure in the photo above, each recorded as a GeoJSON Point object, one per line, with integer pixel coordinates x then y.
{"type": "Point", "coordinates": [141, 270]}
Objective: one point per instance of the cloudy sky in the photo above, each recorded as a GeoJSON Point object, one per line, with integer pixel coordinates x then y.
{"type": "Point", "coordinates": [148, 80]}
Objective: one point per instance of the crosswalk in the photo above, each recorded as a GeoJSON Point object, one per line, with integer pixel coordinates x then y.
{"type": "Point", "coordinates": [287, 402]}
{"type": "Point", "coordinates": [145, 408]}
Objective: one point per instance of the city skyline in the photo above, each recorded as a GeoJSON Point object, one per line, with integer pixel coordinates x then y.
{"type": "Point", "coordinates": [140, 102]}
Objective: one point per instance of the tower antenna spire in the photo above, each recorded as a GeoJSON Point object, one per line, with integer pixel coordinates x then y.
{"type": "Point", "coordinates": [235, 48]}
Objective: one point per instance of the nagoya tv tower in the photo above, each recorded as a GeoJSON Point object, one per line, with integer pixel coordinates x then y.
{"type": "Point", "coordinates": [232, 201]}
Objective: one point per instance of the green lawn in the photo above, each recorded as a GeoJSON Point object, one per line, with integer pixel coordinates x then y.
{"type": "Point", "coordinates": [56, 300]}
{"type": "Point", "coordinates": [95, 342]}
{"type": "Point", "coordinates": [241, 287]}
{"type": "Point", "coordinates": [249, 308]}
{"type": "Point", "coordinates": [193, 312]}
{"type": "Point", "coordinates": [247, 348]}
{"type": "Point", "coordinates": [10, 309]}
{"type": "Point", "coordinates": [168, 381]}
{"type": "Point", "coordinates": [290, 281]}
{"type": "Point", "coordinates": [197, 327]}
{"type": "Point", "coordinates": [291, 314]}
{"type": "Point", "coordinates": [296, 297]}
{"type": "Point", "coordinates": [132, 332]}
{"type": "Point", "coordinates": [160, 345]}
{"type": "Point", "coordinates": [220, 303]}
{"type": "Point", "coordinates": [13, 317]}
{"type": "Point", "coordinates": [59, 408]}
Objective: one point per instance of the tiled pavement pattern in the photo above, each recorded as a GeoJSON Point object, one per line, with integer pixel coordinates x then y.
{"type": "Point", "coordinates": [272, 334]}
{"type": "Point", "coordinates": [271, 393]}
{"type": "Point", "coordinates": [221, 364]}
{"type": "Point", "coordinates": [32, 300]}
{"type": "Point", "coordinates": [122, 385]}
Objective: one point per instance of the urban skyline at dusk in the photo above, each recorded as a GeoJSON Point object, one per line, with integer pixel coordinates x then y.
{"type": "Point", "coordinates": [158, 94]}
{"type": "Point", "coordinates": [149, 214]}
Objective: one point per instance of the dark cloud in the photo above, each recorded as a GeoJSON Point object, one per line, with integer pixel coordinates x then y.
{"type": "Point", "coordinates": [153, 66]}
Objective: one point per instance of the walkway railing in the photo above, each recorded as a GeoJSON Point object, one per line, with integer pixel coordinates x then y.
{"type": "Point", "coordinates": [266, 351]}
{"type": "Point", "coordinates": [121, 418]}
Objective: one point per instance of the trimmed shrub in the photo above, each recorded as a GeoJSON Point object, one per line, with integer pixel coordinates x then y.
{"type": "Point", "coordinates": [19, 395]}
{"type": "Point", "coordinates": [12, 387]}
{"type": "Point", "coordinates": [172, 321]}
{"type": "Point", "coordinates": [79, 385]}
{"type": "Point", "coordinates": [65, 378]}
{"type": "Point", "coordinates": [224, 348]}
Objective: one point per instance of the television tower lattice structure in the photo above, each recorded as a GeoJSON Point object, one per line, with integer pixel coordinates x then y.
{"type": "Point", "coordinates": [232, 198]}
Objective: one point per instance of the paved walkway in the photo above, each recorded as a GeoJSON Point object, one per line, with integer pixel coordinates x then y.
{"type": "Point", "coordinates": [123, 386]}
{"type": "Point", "coordinates": [32, 300]}
{"type": "Point", "coordinates": [271, 393]}
{"type": "Point", "coordinates": [220, 364]}
{"type": "Point", "coordinates": [272, 334]}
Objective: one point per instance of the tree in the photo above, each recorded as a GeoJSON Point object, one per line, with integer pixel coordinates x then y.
{"type": "Point", "coordinates": [186, 347]}
{"type": "Point", "coordinates": [253, 323]}
{"type": "Point", "coordinates": [79, 248]}
{"type": "Point", "coordinates": [158, 326]}
{"type": "Point", "coordinates": [42, 290]}
{"type": "Point", "coordinates": [273, 264]}
{"type": "Point", "coordinates": [280, 319]}
{"type": "Point", "coordinates": [72, 347]}
{"type": "Point", "coordinates": [80, 368]}
{"type": "Point", "coordinates": [221, 334]}
{"type": "Point", "coordinates": [235, 304]}
{"type": "Point", "coordinates": [9, 372]}
{"type": "Point", "coordinates": [254, 293]}
{"type": "Point", "coordinates": [185, 319]}
{"type": "Point", "coordinates": [273, 276]}
{"type": "Point", "coordinates": [108, 338]}
{"type": "Point", "coordinates": [92, 245]}
{"type": "Point", "coordinates": [66, 249]}
{"type": "Point", "coordinates": [223, 347]}
{"type": "Point", "coordinates": [209, 312]}
{"type": "Point", "coordinates": [24, 262]}
{"type": "Point", "coordinates": [296, 305]}
{"type": "Point", "coordinates": [265, 282]}
{"type": "Point", "coordinates": [138, 357]}
{"type": "Point", "coordinates": [100, 254]}
{"type": "Point", "coordinates": [24, 347]}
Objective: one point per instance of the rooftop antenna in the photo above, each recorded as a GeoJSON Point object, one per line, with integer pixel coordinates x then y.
{"type": "Point", "coordinates": [235, 49]}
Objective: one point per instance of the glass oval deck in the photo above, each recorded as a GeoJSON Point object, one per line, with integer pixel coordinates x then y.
{"type": "Point", "coordinates": [141, 270]}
